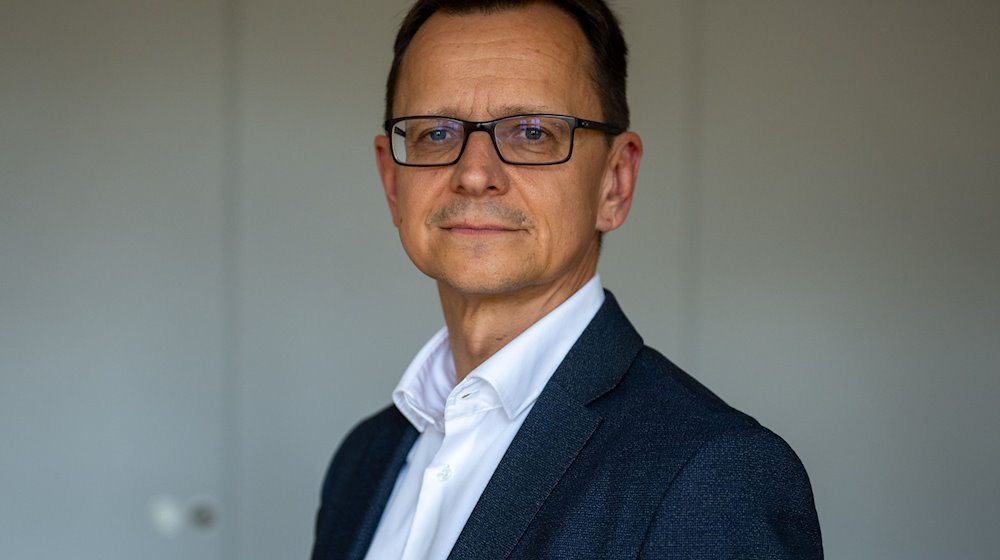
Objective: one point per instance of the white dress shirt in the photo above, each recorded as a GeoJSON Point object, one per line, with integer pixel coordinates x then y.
{"type": "Point", "coordinates": [465, 429]}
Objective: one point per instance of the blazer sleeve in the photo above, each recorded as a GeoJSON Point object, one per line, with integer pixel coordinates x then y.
{"type": "Point", "coordinates": [743, 495]}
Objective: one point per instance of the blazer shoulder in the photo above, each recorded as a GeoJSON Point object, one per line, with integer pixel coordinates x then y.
{"type": "Point", "coordinates": [666, 388]}
{"type": "Point", "coordinates": [674, 416]}
{"type": "Point", "coordinates": [731, 474]}
{"type": "Point", "coordinates": [743, 494]}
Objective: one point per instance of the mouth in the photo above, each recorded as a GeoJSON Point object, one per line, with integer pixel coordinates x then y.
{"type": "Point", "coordinates": [478, 228]}
{"type": "Point", "coordinates": [489, 219]}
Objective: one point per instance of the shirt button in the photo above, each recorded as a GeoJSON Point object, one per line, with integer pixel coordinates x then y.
{"type": "Point", "coordinates": [444, 473]}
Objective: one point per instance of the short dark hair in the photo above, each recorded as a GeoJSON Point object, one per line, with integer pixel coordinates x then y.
{"type": "Point", "coordinates": [609, 69]}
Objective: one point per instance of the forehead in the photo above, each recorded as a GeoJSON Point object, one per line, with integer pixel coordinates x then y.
{"type": "Point", "coordinates": [480, 66]}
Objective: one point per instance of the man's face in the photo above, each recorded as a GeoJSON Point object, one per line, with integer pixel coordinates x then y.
{"type": "Point", "coordinates": [482, 226]}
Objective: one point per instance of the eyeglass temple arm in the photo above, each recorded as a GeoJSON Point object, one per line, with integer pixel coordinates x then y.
{"type": "Point", "coordinates": [581, 123]}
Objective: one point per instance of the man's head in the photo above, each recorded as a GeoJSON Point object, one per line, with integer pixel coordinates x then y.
{"type": "Point", "coordinates": [479, 222]}
{"type": "Point", "coordinates": [607, 59]}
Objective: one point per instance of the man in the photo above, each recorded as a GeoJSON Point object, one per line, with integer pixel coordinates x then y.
{"type": "Point", "coordinates": [537, 424]}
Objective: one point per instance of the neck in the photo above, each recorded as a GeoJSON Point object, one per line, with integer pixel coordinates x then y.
{"type": "Point", "coordinates": [479, 325]}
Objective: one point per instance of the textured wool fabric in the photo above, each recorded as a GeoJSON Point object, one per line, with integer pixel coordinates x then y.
{"type": "Point", "coordinates": [623, 456]}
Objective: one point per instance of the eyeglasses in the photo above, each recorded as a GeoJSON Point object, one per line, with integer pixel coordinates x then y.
{"type": "Point", "coordinates": [426, 141]}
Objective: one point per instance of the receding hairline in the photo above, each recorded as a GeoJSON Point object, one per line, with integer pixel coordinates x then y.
{"type": "Point", "coordinates": [589, 65]}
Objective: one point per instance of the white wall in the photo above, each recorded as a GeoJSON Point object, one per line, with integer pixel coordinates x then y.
{"type": "Point", "coordinates": [111, 275]}
{"type": "Point", "coordinates": [814, 237]}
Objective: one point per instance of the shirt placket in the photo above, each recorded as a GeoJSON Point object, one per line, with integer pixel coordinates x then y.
{"type": "Point", "coordinates": [464, 413]}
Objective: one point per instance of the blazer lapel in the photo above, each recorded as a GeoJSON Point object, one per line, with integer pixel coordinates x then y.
{"type": "Point", "coordinates": [383, 461]}
{"type": "Point", "coordinates": [556, 429]}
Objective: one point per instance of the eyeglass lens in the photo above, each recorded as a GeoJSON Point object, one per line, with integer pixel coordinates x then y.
{"type": "Point", "coordinates": [520, 139]}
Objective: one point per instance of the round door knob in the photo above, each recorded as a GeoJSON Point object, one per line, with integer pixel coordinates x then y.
{"type": "Point", "coordinates": [202, 515]}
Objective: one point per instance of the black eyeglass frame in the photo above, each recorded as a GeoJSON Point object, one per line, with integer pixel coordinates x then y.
{"type": "Point", "coordinates": [489, 127]}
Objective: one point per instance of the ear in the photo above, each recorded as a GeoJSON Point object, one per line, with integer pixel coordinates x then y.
{"type": "Point", "coordinates": [620, 175]}
{"type": "Point", "coordinates": [387, 171]}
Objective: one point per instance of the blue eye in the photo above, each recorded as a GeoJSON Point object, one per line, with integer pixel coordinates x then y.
{"type": "Point", "coordinates": [533, 133]}
{"type": "Point", "coordinates": [438, 134]}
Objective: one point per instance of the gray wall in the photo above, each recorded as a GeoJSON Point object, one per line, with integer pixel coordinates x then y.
{"type": "Point", "coordinates": [815, 237]}
{"type": "Point", "coordinates": [112, 336]}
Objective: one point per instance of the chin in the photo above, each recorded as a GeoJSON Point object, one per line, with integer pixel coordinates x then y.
{"type": "Point", "coordinates": [481, 282]}
{"type": "Point", "coordinates": [481, 286]}
{"type": "Point", "coordinates": [467, 274]}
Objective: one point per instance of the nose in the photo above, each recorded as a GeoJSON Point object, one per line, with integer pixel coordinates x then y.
{"type": "Point", "coordinates": [479, 171]}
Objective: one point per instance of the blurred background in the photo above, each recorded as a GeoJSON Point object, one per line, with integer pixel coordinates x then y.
{"type": "Point", "coordinates": [201, 289]}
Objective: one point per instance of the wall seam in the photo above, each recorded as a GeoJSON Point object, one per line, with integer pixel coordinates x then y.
{"type": "Point", "coordinates": [232, 181]}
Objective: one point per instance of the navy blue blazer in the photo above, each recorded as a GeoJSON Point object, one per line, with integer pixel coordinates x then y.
{"type": "Point", "coordinates": [622, 456]}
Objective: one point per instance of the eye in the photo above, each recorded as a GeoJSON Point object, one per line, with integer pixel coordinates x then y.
{"type": "Point", "coordinates": [436, 131]}
{"type": "Point", "coordinates": [534, 133]}
{"type": "Point", "coordinates": [438, 134]}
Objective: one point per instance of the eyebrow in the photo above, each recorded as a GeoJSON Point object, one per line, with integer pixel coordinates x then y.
{"type": "Point", "coordinates": [495, 112]}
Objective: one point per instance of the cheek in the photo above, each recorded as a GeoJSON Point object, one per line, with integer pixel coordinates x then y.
{"type": "Point", "coordinates": [580, 201]}
{"type": "Point", "coordinates": [412, 234]}
{"type": "Point", "coordinates": [413, 196]}
{"type": "Point", "coordinates": [409, 221]}
{"type": "Point", "coordinates": [570, 219]}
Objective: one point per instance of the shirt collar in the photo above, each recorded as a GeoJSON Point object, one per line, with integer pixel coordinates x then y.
{"type": "Point", "coordinates": [517, 373]}
{"type": "Point", "coordinates": [424, 388]}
